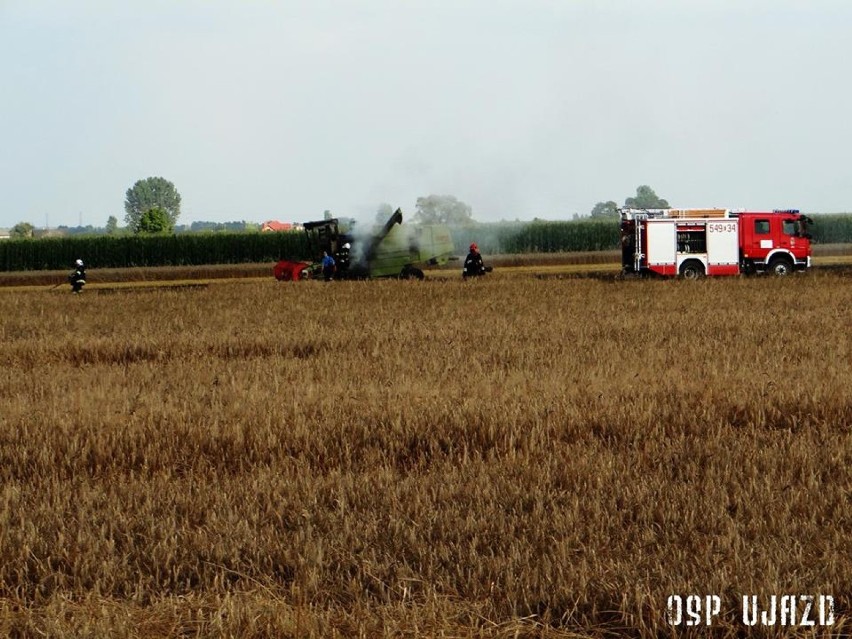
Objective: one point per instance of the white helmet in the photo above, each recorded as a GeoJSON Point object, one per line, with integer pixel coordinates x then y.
{"type": "Point", "coordinates": [346, 246]}
{"type": "Point", "coordinates": [79, 262]}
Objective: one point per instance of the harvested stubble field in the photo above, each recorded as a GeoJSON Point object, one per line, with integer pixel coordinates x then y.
{"type": "Point", "coordinates": [497, 458]}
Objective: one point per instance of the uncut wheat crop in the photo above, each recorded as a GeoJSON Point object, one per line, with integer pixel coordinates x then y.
{"type": "Point", "coordinates": [509, 457]}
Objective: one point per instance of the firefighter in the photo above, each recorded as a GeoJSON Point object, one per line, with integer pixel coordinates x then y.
{"type": "Point", "coordinates": [78, 277]}
{"type": "Point", "coordinates": [342, 258]}
{"type": "Point", "coordinates": [473, 265]}
{"type": "Point", "coordinates": [328, 266]}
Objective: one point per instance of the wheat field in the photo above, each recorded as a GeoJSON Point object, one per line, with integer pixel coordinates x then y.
{"type": "Point", "coordinates": [517, 456]}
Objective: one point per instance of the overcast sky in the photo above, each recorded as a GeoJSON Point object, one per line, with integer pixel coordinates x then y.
{"type": "Point", "coordinates": [262, 110]}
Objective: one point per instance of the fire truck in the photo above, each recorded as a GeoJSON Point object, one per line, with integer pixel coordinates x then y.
{"type": "Point", "coordinates": [693, 243]}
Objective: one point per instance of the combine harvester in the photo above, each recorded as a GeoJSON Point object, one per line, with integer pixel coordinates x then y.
{"type": "Point", "coordinates": [693, 243]}
{"type": "Point", "coordinates": [391, 251]}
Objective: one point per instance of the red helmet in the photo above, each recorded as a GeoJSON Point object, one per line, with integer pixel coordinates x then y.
{"type": "Point", "coordinates": [474, 247]}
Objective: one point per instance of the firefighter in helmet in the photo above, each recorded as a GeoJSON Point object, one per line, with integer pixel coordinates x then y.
{"type": "Point", "coordinates": [473, 265]}
{"type": "Point", "coordinates": [78, 277]}
{"type": "Point", "coordinates": [342, 258]}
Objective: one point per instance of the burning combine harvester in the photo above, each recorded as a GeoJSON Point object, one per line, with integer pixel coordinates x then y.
{"type": "Point", "coordinates": [391, 251]}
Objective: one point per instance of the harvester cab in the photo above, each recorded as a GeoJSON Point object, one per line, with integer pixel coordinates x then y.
{"type": "Point", "coordinates": [324, 236]}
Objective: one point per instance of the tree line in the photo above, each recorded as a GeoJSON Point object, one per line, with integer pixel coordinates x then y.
{"type": "Point", "coordinates": [645, 198]}
{"type": "Point", "coordinates": [152, 206]}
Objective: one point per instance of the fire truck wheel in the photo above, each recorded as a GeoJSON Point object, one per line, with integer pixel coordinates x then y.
{"type": "Point", "coordinates": [691, 270]}
{"type": "Point", "coordinates": [780, 266]}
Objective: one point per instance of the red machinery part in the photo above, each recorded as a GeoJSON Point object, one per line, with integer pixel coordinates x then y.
{"type": "Point", "coordinates": [287, 271]}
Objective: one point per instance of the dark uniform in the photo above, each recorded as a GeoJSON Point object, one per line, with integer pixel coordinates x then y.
{"type": "Point", "coordinates": [78, 277]}
{"type": "Point", "coordinates": [473, 265]}
{"type": "Point", "coordinates": [342, 259]}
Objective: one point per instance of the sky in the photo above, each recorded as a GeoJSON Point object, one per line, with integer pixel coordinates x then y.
{"type": "Point", "coordinates": [278, 109]}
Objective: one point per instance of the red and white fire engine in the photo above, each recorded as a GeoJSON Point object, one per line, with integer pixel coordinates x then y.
{"type": "Point", "coordinates": [697, 242]}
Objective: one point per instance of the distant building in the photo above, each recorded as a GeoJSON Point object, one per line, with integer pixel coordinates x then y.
{"type": "Point", "coordinates": [274, 225]}
{"type": "Point", "coordinates": [5, 234]}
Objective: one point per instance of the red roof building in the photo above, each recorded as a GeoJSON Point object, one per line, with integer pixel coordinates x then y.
{"type": "Point", "coordinates": [274, 225]}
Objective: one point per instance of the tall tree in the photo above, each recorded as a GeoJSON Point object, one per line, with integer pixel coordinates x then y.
{"type": "Point", "coordinates": [646, 199]}
{"type": "Point", "coordinates": [111, 225]}
{"type": "Point", "coordinates": [442, 209]}
{"type": "Point", "coordinates": [22, 229]}
{"type": "Point", "coordinates": [605, 209]}
{"type": "Point", "coordinates": [154, 220]}
{"type": "Point", "coordinates": [150, 193]}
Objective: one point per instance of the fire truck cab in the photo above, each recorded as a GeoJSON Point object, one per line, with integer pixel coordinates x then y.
{"type": "Point", "coordinates": [693, 243]}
